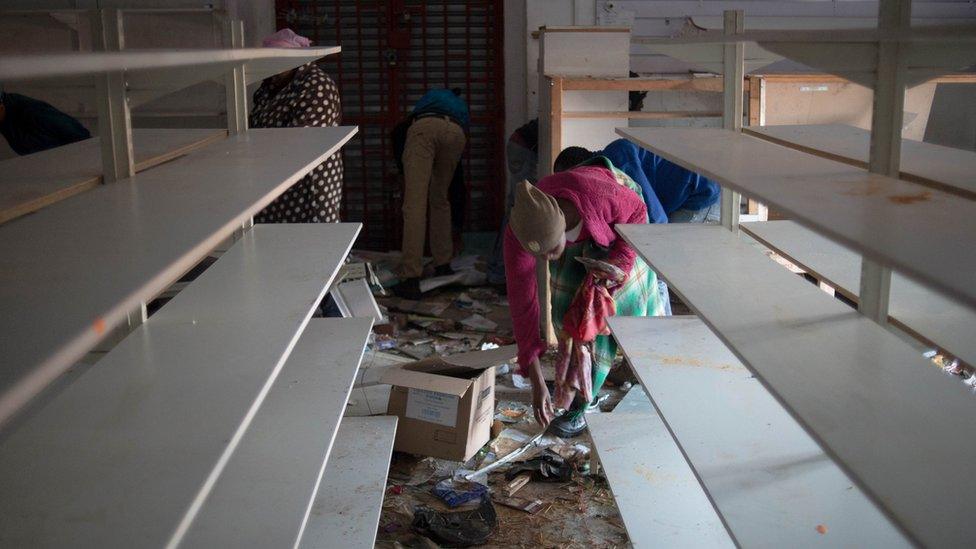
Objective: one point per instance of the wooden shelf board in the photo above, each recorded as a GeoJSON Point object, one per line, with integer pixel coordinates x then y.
{"type": "Point", "coordinates": [925, 314]}
{"type": "Point", "coordinates": [641, 115]}
{"type": "Point", "coordinates": [29, 183]}
{"type": "Point", "coordinates": [263, 495]}
{"type": "Point", "coordinates": [770, 481]}
{"type": "Point", "coordinates": [136, 443]}
{"type": "Point", "coordinates": [945, 168]}
{"type": "Point", "coordinates": [872, 402]}
{"type": "Point", "coordinates": [358, 466]}
{"type": "Point", "coordinates": [71, 272]}
{"type": "Point", "coordinates": [888, 220]}
{"type": "Point", "coordinates": [647, 473]}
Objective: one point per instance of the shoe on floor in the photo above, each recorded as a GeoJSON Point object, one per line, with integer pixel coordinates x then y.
{"type": "Point", "coordinates": [569, 425]}
{"type": "Point", "coordinates": [408, 288]}
{"type": "Point", "coordinates": [443, 270]}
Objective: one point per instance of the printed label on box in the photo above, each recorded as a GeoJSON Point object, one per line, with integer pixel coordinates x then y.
{"type": "Point", "coordinates": [431, 406]}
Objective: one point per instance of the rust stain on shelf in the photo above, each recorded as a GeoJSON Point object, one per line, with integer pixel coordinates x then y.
{"type": "Point", "coordinates": [920, 196]}
{"type": "Point", "coordinates": [674, 360]}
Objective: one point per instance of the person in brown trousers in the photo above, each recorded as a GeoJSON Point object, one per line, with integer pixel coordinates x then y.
{"type": "Point", "coordinates": [435, 141]}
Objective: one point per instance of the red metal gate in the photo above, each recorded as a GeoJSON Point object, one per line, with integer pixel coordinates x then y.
{"type": "Point", "coordinates": [392, 53]}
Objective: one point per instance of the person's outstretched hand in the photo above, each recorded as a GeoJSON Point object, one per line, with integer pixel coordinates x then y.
{"type": "Point", "coordinates": [541, 400]}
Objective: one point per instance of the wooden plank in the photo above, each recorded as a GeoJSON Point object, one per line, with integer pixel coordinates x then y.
{"type": "Point", "coordinates": [263, 497]}
{"type": "Point", "coordinates": [947, 169]}
{"type": "Point", "coordinates": [144, 64]}
{"type": "Point", "coordinates": [641, 115]}
{"type": "Point", "coordinates": [648, 475]}
{"type": "Point", "coordinates": [888, 220]}
{"type": "Point", "coordinates": [710, 84]}
{"type": "Point", "coordinates": [864, 394]}
{"type": "Point", "coordinates": [925, 314]}
{"type": "Point", "coordinates": [70, 272]}
{"type": "Point", "coordinates": [29, 183]}
{"type": "Point", "coordinates": [127, 453]}
{"type": "Point", "coordinates": [770, 481]}
{"type": "Point", "coordinates": [346, 509]}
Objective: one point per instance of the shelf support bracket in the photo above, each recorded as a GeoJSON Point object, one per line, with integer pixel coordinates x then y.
{"type": "Point", "coordinates": [734, 72]}
{"type": "Point", "coordinates": [887, 118]}
{"type": "Point", "coordinates": [114, 116]}
{"type": "Point", "coordinates": [236, 85]}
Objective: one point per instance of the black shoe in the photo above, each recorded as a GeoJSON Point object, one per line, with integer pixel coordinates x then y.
{"type": "Point", "coordinates": [408, 288]}
{"type": "Point", "coordinates": [569, 425]}
{"type": "Point", "coordinates": [443, 270]}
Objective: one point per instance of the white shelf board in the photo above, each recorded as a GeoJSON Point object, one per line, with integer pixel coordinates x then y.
{"type": "Point", "coordinates": [70, 272]}
{"type": "Point", "coordinates": [263, 495]}
{"type": "Point", "coordinates": [770, 481]}
{"type": "Point", "coordinates": [147, 65]}
{"type": "Point", "coordinates": [346, 509]}
{"type": "Point", "coordinates": [869, 399]}
{"type": "Point", "coordinates": [126, 454]}
{"type": "Point", "coordinates": [912, 307]}
{"type": "Point", "coordinates": [951, 170]}
{"type": "Point", "coordinates": [891, 221]}
{"type": "Point", "coordinates": [29, 183]}
{"type": "Point", "coordinates": [929, 51]}
{"type": "Point", "coordinates": [635, 401]}
{"type": "Point", "coordinates": [649, 476]}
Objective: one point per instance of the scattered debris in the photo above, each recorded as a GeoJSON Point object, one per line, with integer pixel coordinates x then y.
{"type": "Point", "coordinates": [457, 529]}
{"type": "Point", "coordinates": [512, 412]}
{"type": "Point", "coordinates": [479, 323]}
{"type": "Point", "coordinates": [410, 471]}
{"type": "Point", "coordinates": [516, 484]}
{"type": "Point", "coordinates": [468, 303]}
{"type": "Point", "coordinates": [547, 468]}
{"type": "Point", "coordinates": [520, 381]}
{"type": "Point", "coordinates": [457, 492]}
{"type": "Point", "coordinates": [531, 506]}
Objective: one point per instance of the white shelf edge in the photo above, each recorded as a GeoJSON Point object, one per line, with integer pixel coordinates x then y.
{"type": "Point", "coordinates": [52, 65]}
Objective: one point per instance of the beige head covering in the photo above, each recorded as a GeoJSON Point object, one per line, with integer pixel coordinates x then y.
{"type": "Point", "coordinates": [536, 219]}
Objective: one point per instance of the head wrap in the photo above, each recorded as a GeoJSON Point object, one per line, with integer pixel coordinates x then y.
{"type": "Point", "coordinates": [536, 219]}
{"type": "Point", "coordinates": [286, 38]}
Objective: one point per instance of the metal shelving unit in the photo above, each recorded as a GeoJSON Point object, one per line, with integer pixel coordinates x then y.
{"type": "Point", "coordinates": [195, 429]}
{"type": "Point", "coordinates": [861, 392]}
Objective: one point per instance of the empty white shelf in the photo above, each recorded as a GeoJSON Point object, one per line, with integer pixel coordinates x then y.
{"type": "Point", "coordinates": [263, 495]}
{"type": "Point", "coordinates": [660, 500]}
{"type": "Point", "coordinates": [635, 401]}
{"type": "Point", "coordinates": [912, 307]}
{"type": "Point", "coordinates": [28, 183]}
{"type": "Point", "coordinates": [346, 509]}
{"type": "Point", "coordinates": [146, 63]}
{"type": "Point", "coordinates": [125, 454]}
{"type": "Point", "coordinates": [770, 481]}
{"type": "Point", "coordinates": [70, 272]}
{"type": "Point", "coordinates": [866, 396]}
{"type": "Point", "coordinates": [952, 170]}
{"type": "Point", "coordinates": [891, 221]}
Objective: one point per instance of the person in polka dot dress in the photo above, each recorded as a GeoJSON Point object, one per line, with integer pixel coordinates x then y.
{"type": "Point", "coordinates": [305, 96]}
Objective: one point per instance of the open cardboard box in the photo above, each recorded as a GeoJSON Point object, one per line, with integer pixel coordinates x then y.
{"type": "Point", "coordinates": [445, 404]}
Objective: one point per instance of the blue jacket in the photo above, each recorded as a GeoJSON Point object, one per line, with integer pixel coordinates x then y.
{"type": "Point", "coordinates": [443, 101]}
{"type": "Point", "coordinates": [675, 187]}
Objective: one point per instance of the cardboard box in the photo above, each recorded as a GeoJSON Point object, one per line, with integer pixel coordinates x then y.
{"type": "Point", "coordinates": [445, 404]}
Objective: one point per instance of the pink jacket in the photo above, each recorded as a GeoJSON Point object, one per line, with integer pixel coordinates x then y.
{"type": "Point", "coordinates": [602, 203]}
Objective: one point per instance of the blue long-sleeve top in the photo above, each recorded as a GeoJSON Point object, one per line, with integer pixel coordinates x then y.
{"type": "Point", "coordinates": [443, 101]}
{"type": "Point", "coordinates": [675, 187]}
